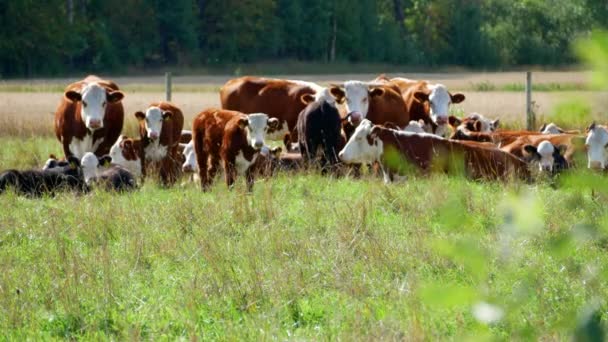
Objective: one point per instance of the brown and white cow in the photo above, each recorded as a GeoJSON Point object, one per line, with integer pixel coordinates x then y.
{"type": "Point", "coordinates": [160, 129]}
{"type": "Point", "coordinates": [552, 152]}
{"type": "Point", "coordinates": [552, 128]}
{"type": "Point", "coordinates": [499, 137]}
{"type": "Point", "coordinates": [277, 98]}
{"type": "Point", "coordinates": [376, 102]}
{"type": "Point", "coordinates": [398, 151]}
{"type": "Point", "coordinates": [425, 101]}
{"type": "Point", "coordinates": [125, 152]}
{"type": "Point", "coordinates": [474, 122]}
{"type": "Point", "coordinates": [232, 137]}
{"type": "Point", "coordinates": [89, 117]}
{"type": "Point", "coordinates": [596, 143]}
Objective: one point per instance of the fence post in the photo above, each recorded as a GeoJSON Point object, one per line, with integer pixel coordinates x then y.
{"type": "Point", "coordinates": [530, 115]}
{"type": "Point", "coordinates": [168, 86]}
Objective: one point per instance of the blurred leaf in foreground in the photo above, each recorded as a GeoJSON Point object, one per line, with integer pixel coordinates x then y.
{"type": "Point", "coordinates": [594, 52]}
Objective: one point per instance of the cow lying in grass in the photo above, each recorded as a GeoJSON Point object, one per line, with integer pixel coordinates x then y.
{"type": "Point", "coordinates": [398, 151]}
{"type": "Point", "coordinates": [65, 175]}
{"type": "Point", "coordinates": [100, 171]}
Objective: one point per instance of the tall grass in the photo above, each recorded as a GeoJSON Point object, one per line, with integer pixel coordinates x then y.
{"type": "Point", "coordinates": [304, 257]}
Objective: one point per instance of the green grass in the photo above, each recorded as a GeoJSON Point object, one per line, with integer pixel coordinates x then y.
{"type": "Point", "coordinates": [303, 257]}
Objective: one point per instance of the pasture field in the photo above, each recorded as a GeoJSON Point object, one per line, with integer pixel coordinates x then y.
{"type": "Point", "coordinates": [303, 257]}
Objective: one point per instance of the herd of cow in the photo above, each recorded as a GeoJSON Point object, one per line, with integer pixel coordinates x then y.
{"type": "Point", "coordinates": [396, 125]}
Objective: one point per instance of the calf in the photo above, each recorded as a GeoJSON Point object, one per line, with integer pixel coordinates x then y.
{"type": "Point", "coordinates": [500, 138]}
{"type": "Point", "coordinates": [110, 176]}
{"type": "Point", "coordinates": [125, 152]}
{"type": "Point", "coordinates": [553, 152]}
{"type": "Point", "coordinates": [35, 183]}
{"type": "Point", "coordinates": [474, 123]}
{"type": "Point", "coordinates": [596, 143]}
{"type": "Point", "coordinates": [319, 127]}
{"type": "Point", "coordinates": [552, 128]}
{"type": "Point", "coordinates": [89, 117]}
{"type": "Point", "coordinates": [160, 129]}
{"type": "Point", "coordinates": [232, 137]}
{"type": "Point", "coordinates": [396, 150]}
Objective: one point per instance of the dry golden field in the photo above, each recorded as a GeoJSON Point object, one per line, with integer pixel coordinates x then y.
{"type": "Point", "coordinates": [27, 106]}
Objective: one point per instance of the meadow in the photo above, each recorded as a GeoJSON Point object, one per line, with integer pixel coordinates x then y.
{"type": "Point", "coordinates": [305, 257]}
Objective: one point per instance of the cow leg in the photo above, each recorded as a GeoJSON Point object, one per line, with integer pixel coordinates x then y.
{"type": "Point", "coordinates": [249, 174]}
{"type": "Point", "coordinates": [66, 148]}
{"type": "Point", "coordinates": [201, 160]}
{"type": "Point", "coordinates": [229, 173]}
{"type": "Point", "coordinates": [214, 164]}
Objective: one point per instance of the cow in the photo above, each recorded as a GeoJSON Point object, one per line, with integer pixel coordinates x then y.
{"type": "Point", "coordinates": [273, 159]}
{"type": "Point", "coordinates": [552, 128]}
{"type": "Point", "coordinates": [425, 101]}
{"type": "Point", "coordinates": [596, 143]}
{"type": "Point", "coordinates": [277, 98]}
{"type": "Point", "coordinates": [66, 175]}
{"type": "Point", "coordinates": [414, 126]}
{"type": "Point", "coordinates": [89, 117]}
{"type": "Point", "coordinates": [553, 152]}
{"type": "Point", "coordinates": [110, 176]}
{"type": "Point", "coordinates": [160, 130]}
{"type": "Point", "coordinates": [125, 152]}
{"type": "Point", "coordinates": [319, 127]}
{"type": "Point", "coordinates": [500, 137]}
{"type": "Point", "coordinates": [376, 102]}
{"type": "Point", "coordinates": [474, 122]}
{"type": "Point", "coordinates": [232, 137]}
{"type": "Point", "coordinates": [397, 151]}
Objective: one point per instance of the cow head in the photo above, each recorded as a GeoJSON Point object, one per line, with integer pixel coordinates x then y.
{"type": "Point", "coordinates": [439, 100]}
{"type": "Point", "coordinates": [257, 125]}
{"type": "Point", "coordinates": [356, 97]}
{"type": "Point", "coordinates": [363, 146]}
{"type": "Point", "coordinates": [415, 126]}
{"type": "Point", "coordinates": [95, 99]}
{"type": "Point", "coordinates": [190, 165]}
{"type": "Point", "coordinates": [597, 145]}
{"type": "Point", "coordinates": [153, 121]}
{"type": "Point", "coordinates": [90, 165]}
{"type": "Point", "coordinates": [125, 153]}
{"type": "Point", "coordinates": [551, 129]}
{"type": "Point", "coordinates": [550, 158]}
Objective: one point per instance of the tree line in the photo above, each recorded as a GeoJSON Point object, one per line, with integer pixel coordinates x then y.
{"type": "Point", "coordinates": [55, 37]}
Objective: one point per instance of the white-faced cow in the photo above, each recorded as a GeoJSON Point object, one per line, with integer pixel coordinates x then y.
{"type": "Point", "coordinates": [102, 172]}
{"type": "Point", "coordinates": [597, 146]}
{"type": "Point", "coordinates": [89, 117]}
{"type": "Point", "coordinates": [232, 137]}
{"type": "Point", "coordinates": [160, 129]}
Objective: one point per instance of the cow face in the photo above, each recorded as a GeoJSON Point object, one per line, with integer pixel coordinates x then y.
{"type": "Point", "coordinates": [363, 146]}
{"type": "Point", "coordinates": [153, 121]}
{"type": "Point", "coordinates": [415, 126]}
{"type": "Point", "coordinates": [550, 158]}
{"type": "Point", "coordinates": [95, 99]}
{"type": "Point", "coordinates": [89, 165]}
{"type": "Point", "coordinates": [439, 102]}
{"type": "Point", "coordinates": [190, 164]}
{"type": "Point", "coordinates": [356, 96]}
{"type": "Point", "coordinates": [551, 129]}
{"type": "Point", "coordinates": [597, 145]}
{"type": "Point", "coordinates": [125, 154]}
{"type": "Point", "coordinates": [257, 125]}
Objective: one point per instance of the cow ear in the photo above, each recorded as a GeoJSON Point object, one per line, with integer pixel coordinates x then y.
{"type": "Point", "coordinates": [73, 96]}
{"type": "Point", "coordinates": [531, 149]}
{"type": "Point", "coordinates": [421, 96]}
{"type": "Point", "coordinates": [243, 122]}
{"type": "Point", "coordinates": [478, 126]}
{"type": "Point", "coordinates": [273, 124]}
{"type": "Point", "coordinates": [337, 93]}
{"type": "Point", "coordinates": [376, 92]}
{"type": "Point", "coordinates": [276, 151]}
{"type": "Point", "coordinates": [591, 127]}
{"type": "Point", "coordinates": [457, 98]}
{"type": "Point", "coordinates": [542, 128]}
{"type": "Point", "coordinates": [105, 161]}
{"type": "Point", "coordinates": [454, 121]}
{"type": "Point", "coordinates": [115, 96]}
{"type": "Point", "coordinates": [307, 98]}
{"type": "Point", "coordinates": [167, 115]}
{"type": "Point", "coordinates": [73, 162]}
{"type": "Point", "coordinates": [140, 116]}
{"type": "Point", "coordinates": [496, 123]}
